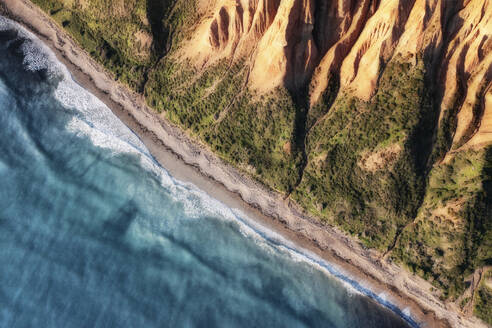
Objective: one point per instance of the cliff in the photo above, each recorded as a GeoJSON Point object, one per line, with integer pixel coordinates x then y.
{"type": "Point", "coordinates": [292, 43]}
{"type": "Point", "coordinates": [374, 116]}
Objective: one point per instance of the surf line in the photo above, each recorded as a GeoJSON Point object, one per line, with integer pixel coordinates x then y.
{"type": "Point", "coordinates": [312, 259]}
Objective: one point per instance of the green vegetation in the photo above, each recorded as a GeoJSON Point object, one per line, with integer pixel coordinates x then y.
{"type": "Point", "coordinates": [483, 301]}
{"type": "Point", "coordinates": [323, 106]}
{"type": "Point", "coordinates": [373, 168]}
{"type": "Point", "coordinates": [128, 37]}
{"type": "Point", "coordinates": [373, 205]}
{"type": "Point", "coordinates": [252, 132]}
{"type": "Point", "coordinates": [107, 32]}
{"type": "Point", "coordinates": [452, 234]}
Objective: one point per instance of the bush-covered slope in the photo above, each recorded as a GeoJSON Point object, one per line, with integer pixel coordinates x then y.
{"type": "Point", "coordinates": [256, 133]}
{"type": "Point", "coordinates": [451, 235]}
{"type": "Point", "coordinates": [366, 160]}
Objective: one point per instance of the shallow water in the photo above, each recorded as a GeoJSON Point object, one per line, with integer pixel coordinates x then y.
{"type": "Point", "coordinates": [93, 233]}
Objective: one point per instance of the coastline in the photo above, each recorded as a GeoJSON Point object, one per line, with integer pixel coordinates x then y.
{"type": "Point", "coordinates": [189, 161]}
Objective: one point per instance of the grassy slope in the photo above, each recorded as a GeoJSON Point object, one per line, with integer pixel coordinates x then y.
{"type": "Point", "coordinates": [107, 37]}
{"type": "Point", "coordinates": [371, 205]}
{"type": "Point", "coordinates": [275, 140]}
{"type": "Point", "coordinates": [452, 234]}
{"type": "Point", "coordinates": [250, 132]}
{"type": "Point", "coordinates": [483, 301]}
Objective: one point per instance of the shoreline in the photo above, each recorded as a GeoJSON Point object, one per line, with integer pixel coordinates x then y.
{"type": "Point", "coordinates": [189, 161]}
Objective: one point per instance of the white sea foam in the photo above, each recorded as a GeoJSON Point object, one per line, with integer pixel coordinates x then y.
{"type": "Point", "coordinates": [37, 55]}
{"type": "Point", "coordinates": [95, 120]}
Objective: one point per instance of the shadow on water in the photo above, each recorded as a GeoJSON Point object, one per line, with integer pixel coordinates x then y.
{"type": "Point", "coordinates": [120, 221]}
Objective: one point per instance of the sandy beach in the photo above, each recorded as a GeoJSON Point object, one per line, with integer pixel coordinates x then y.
{"type": "Point", "coordinates": [190, 161]}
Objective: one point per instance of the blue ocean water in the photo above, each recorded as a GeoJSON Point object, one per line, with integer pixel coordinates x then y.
{"type": "Point", "coordinates": [93, 233]}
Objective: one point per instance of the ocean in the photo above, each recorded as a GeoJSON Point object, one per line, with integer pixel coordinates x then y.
{"type": "Point", "coordinates": [94, 233]}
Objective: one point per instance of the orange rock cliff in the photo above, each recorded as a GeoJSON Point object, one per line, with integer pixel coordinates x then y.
{"type": "Point", "coordinates": [295, 42]}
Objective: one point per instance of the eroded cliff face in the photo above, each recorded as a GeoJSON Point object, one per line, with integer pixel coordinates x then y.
{"type": "Point", "coordinates": [297, 42]}
{"type": "Point", "coordinates": [229, 28]}
{"type": "Point", "coordinates": [467, 73]}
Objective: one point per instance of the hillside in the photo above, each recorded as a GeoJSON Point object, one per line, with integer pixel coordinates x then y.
{"type": "Point", "coordinates": [374, 116]}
